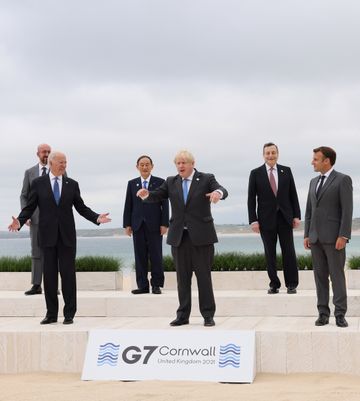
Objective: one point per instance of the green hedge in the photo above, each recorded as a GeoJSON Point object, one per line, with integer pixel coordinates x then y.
{"type": "Point", "coordinates": [235, 261]}
{"type": "Point", "coordinates": [83, 263]}
{"type": "Point", "coordinates": [354, 263]}
{"type": "Point", "coordinates": [12, 264]}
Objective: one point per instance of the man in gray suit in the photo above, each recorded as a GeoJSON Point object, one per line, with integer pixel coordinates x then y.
{"type": "Point", "coordinates": [39, 169]}
{"type": "Point", "coordinates": [191, 232]}
{"type": "Point", "coordinates": [328, 221]}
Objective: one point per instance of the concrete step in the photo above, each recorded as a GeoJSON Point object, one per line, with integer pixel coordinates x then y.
{"type": "Point", "coordinates": [125, 304]}
{"type": "Point", "coordinates": [283, 344]}
{"type": "Point", "coordinates": [117, 281]}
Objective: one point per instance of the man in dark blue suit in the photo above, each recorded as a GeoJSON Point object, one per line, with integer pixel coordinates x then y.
{"type": "Point", "coordinates": [191, 232]}
{"type": "Point", "coordinates": [55, 195]}
{"type": "Point", "coordinates": [147, 223]}
{"type": "Point", "coordinates": [274, 212]}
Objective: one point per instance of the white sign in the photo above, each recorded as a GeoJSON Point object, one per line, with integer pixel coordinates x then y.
{"type": "Point", "coordinates": [214, 355]}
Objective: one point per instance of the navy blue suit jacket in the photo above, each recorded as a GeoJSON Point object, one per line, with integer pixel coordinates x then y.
{"type": "Point", "coordinates": [55, 218]}
{"type": "Point", "coordinates": [137, 212]}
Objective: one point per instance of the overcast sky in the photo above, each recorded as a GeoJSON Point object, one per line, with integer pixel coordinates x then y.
{"type": "Point", "coordinates": [106, 81]}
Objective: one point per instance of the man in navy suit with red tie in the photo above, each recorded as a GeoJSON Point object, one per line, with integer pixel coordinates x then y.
{"type": "Point", "coordinates": [55, 195]}
{"type": "Point", "coordinates": [274, 212]}
{"type": "Point", "coordinates": [147, 223]}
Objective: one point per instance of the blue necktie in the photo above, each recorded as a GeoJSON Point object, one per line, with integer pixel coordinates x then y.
{"type": "Point", "coordinates": [185, 189]}
{"type": "Point", "coordinates": [56, 191]}
{"type": "Point", "coordinates": [145, 184]}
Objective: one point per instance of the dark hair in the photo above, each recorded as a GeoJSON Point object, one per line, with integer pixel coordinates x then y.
{"type": "Point", "coordinates": [328, 153]}
{"type": "Point", "coordinates": [270, 144]}
{"type": "Point", "coordinates": [142, 157]}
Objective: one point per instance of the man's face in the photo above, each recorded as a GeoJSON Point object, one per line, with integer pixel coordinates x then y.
{"type": "Point", "coordinates": [320, 162]}
{"type": "Point", "coordinates": [271, 155]}
{"type": "Point", "coordinates": [58, 164]}
{"type": "Point", "coordinates": [145, 166]}
{"type": "Point", "coordinates": [43, 154]}
{"type": "Point", "coordinates": [184, 167]}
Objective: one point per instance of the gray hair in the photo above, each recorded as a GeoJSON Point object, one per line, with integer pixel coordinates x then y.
{"type": "Point", "coordinates": [54, 154]}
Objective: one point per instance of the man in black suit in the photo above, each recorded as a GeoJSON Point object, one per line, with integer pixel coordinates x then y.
{"type": "Point", "coordinates": [274, 212]}
{"type": "Point", "coordinates": [191, 232]}
{"type": "Point", "coordinates": [147, 223]}
{"type": "Point", "coordinates": [55, 195]}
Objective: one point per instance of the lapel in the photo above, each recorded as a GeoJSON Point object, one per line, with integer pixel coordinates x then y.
{"type": "Point", "coordinates": [48, 188]}
{"type": "Point", "coordinates": [151, 183]}
{"type": "Point", "coordinates": [64, 189]}
{"type": "Point", "coordinates": [178, 185]}
{"type": "Point", "coordinates": [281, 176]}
{"type": "Point", "coordinates": [313, 184]}
{"type": "Point", "coordinates": [34, 172]}
{"type": "Point", "coordinates": [328, 182]}
{"type": "Point", "coordinates": [137, 184]}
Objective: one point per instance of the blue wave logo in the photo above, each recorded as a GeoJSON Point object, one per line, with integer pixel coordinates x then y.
{"type": "Point", "coordinates": [108, 354]}
{"type": "Point", "coordinates": [229, 356]}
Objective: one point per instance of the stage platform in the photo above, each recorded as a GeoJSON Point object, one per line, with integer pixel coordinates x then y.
{"type": "Point", "coordinates": [286, 339]}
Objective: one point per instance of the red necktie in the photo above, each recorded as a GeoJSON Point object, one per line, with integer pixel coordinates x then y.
{"type": "Point", "coordinates": [272, 181]}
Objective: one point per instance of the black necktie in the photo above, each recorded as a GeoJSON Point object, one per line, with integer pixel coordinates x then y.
{"type": "Point", "coordinates": [318, 189]}
{"type": "Point", "coordinates": [43, 171]}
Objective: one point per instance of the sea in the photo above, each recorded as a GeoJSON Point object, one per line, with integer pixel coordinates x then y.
{"type": "Point", "coordinates": [121, 247]}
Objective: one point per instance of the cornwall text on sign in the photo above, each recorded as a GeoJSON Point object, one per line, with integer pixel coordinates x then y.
{"type": "Point", "coordinates": [217, 355]}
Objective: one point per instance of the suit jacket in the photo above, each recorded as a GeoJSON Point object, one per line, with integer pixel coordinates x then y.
{"type": "Point", "coordinates": [29, 176]}
{"type": "Point", "coordinates": [53, 218]}
{"type": "Point", "coordinates": [263, 204]}
{"type": "Point", "coordinates": [195, 214]}
{"type": "Point", "coordinates": [330, 215]}
{"type": "Point", "coordinates": [136, 211]}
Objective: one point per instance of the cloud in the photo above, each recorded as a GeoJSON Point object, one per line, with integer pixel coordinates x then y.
{"type": "Point", "coordinates": [105, 82]}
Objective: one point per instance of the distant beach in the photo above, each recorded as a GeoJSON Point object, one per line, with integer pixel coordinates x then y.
{"type": "Point", "coordinates": [121, 246]}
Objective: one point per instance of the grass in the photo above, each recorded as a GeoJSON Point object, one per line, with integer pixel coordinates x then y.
{"type": "Point", "coordinates": [83, 264]}
{"type": "Point", "coordinates": [236, 261]}
{"type": "Point", "coordinates": [354, 263]}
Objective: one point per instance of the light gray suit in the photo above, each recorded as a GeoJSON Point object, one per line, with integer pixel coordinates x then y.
{"type": "Point", "coordinates": [36, 253]}
{"type": "Point", "coordinates": [329, 216]}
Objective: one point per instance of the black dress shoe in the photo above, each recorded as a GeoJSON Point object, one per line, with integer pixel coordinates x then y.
{"type": "Point", "coordinates": [273, 290]}
{"type": "Point", "coordinates": [68, 320]}
{"type": "Point", "coordinates": [140, 291]}
{"type": "Point", "coordinates": [209, 321]}
{"type": "Point", "coordinates": [341, 321]}
{"type": "Point", "coordinates": [179, 322]}
{"type": "Point", "coordinates": [291, 290]}
{"type": "Point", "coordinates": [34, 290]}
{"type": "Point", "coordinates": [156, 290]}
{"type": "Point", "coordinates": [322, 320]}
{"type": "Point", "coordinates": [48, 320]}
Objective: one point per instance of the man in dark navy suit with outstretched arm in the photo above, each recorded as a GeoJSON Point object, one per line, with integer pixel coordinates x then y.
{"type": "Point", "coordinates": [191, 232]}
{"type": "Point", "coordinates": [55, 194]}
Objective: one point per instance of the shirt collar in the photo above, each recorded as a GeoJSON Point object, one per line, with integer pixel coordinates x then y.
{"type": "Point", "coordinates": [326, 175]}
{"type": "Point", "coordinates": [52, 176]}
{"type": "Point", "coordinates": [145, 179]}
{"type": "Point", "coordinates": [191, 176]}
{"type": "Point", "coordinates": [269, 167]}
